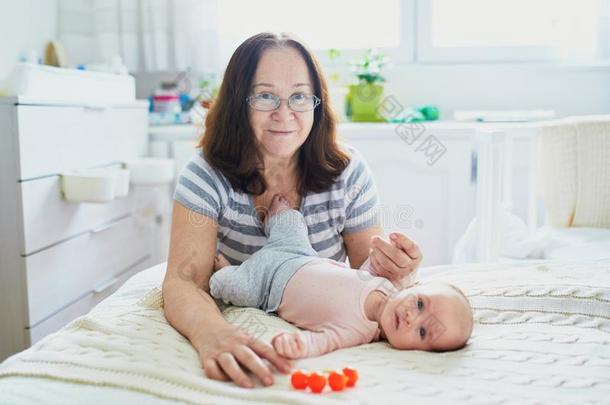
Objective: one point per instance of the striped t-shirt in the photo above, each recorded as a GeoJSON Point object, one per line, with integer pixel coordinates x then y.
{"type": "Point", "coordinates": [350, 205]}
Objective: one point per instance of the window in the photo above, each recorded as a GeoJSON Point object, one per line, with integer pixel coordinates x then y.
{"type": "Point", "coordinates": [510, 30]}
{"type": "Point", "coordinates": [322, 24]}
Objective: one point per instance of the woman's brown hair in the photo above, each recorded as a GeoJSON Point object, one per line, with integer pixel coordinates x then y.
{"type": "Point", "coordinates": [229, 144]}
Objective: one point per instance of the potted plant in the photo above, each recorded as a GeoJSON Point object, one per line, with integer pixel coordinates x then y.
{"type": "Point", "coordinates": [365, 97]}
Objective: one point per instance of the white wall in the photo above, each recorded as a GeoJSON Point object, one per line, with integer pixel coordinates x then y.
{"type": "Point", "coordinates": [29, 24]}
{"type": "Point", "coordinates": [568, 90]}
{"type": "Point", "coordinates": [25, 25]}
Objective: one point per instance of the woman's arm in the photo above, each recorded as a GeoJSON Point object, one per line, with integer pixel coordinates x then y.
{"type": "Point", "coordinates": [358, 245]}
{"type": "Point", "coordinates": [223, 349]}
{"type": "Point", "coordinates": [397, 259]}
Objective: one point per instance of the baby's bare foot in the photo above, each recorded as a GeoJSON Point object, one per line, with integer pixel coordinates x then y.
{"type": "Point", "coordinates": [220, 261]}
{"type": "Point", "coordinates": [279, 203]}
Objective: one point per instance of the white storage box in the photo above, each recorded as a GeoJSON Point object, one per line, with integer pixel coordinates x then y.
{"type": "Point", "coordinates": [151, 170]}
{"type": "Point", "coordinates": [92, 186]}
{"type": "Point", "coordinates": [59, 84]}
{"type": "Point", "coordinates": [96, 185]}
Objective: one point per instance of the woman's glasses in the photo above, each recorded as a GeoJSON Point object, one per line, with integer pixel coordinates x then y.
{"type": "Point", "coordinates": [298, 102]}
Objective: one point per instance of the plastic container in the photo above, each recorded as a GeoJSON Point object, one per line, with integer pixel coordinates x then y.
{"type": "Point", "coordinates": [96, 185]}
{"type": "Point", "coordinates": [88, 186]}
{"type": "Point", "coordinates": [151, 170]}
{"type": "Point", "coordinates": [166, 103]}
{"type": "Point", "coordinates": [121, 188]}
{"type": "Point", "coordinates": [121, 179]}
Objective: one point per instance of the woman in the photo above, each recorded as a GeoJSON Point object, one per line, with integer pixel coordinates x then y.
{"type": "Point", "coordinates": [270, 130]}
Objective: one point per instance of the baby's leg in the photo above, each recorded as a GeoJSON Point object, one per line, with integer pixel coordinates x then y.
{"type": "Point", "coordinates": [239, 285]}
{"type": "Point", "coordinates": [250, 283]}
{"type": "Point", "coordinates": [287, 230]}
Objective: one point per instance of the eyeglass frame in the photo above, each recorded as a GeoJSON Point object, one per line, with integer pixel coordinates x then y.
{"type": "Point", "coordinates": [316, 99]}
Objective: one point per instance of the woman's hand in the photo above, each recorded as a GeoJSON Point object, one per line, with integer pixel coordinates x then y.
{"type": "Point", "coordinates": [289, 345]}
{"type": "Point", "coordinates": [225, 351]}
{"type": "Point", "coordinates": [396, 259]}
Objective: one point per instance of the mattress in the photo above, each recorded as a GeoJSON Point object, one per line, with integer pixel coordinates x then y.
{"type": "Point", "coordinates": [576, 242]}
{"type": "Point", "coordinates": [542, 335]}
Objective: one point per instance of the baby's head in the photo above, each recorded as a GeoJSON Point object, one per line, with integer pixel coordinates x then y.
{"type": "Point", "coordinates": [430, 316]}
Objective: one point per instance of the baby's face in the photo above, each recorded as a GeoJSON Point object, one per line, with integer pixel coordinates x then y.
{"type": "Point", "coordinates": [431, 316]}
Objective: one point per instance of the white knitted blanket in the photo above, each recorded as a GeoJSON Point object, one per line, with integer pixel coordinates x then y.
{"type": "Point", "coordinates": [542, 335]}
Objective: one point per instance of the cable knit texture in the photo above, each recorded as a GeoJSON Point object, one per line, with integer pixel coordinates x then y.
{"type": "Point", "coordinates": [542, 335]}
{"type": "Point", "coordinates": [574, 171]}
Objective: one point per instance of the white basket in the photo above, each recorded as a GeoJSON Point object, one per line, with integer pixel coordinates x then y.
{"type": "Point", "coordinates": [151, 170]}
{"type": "Point", "coordinates": [98, 187]}
{"type": "Point", "coordinates": [95, 185]}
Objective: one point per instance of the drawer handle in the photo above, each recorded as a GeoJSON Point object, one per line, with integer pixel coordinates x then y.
{"type": "Point", "coordinates": [94, 107]}
{"type": "Point", "coordinates": [106, 285]}
{"type": "Point", "coordinates": [103, 227]}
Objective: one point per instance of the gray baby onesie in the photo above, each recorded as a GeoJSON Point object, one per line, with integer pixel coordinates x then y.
{"type": "Point", "coordinates": [260, 280]}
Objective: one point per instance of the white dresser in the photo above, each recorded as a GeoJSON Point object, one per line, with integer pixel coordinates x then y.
{"type": "Point", "coordinates": [58, 259]}
{"type": "Point", "coordinates": [426, 176]}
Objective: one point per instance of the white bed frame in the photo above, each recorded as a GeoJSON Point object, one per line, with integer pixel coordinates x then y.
{"type": "Point", "coordinates": [494, 187]}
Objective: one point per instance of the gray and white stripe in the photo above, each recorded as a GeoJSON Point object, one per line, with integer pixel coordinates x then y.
{"type": "Point", "coordinates": [350, 205]}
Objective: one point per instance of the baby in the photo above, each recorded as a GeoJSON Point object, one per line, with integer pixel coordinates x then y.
{"type": "Point", "coordinates": [338, 307]}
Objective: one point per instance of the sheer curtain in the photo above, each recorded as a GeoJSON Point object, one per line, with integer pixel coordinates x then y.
{"type": "Point", "coordinates": [172, 35]}
{"type": "Point", "coordinates": [149, 35]}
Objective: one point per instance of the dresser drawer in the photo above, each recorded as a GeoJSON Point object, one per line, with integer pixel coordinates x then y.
{"type": "Point", "coordinates": [48, 218]}
{"type": "Point", "coordinates": [66, 272]}
{"type": "Point", "coordinates": [54, 139]}
{"type": "Point", "coordinates": [81, 306]}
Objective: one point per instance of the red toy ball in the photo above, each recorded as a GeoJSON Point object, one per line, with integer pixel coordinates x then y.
{"type": "Point", "coordinates": [299, 379]}
{"type": "Point", "coordinates": [316, 382]}
{"type": "Point", "coordinates": [337, 381]}
{"type": "Point", "coordinates": [352, 376]}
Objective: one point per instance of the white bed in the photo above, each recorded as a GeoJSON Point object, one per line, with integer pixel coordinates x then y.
{"type": "Point", "coordinates": [542, 335]}
{"type": "Point", "coordinates": [576, 243]}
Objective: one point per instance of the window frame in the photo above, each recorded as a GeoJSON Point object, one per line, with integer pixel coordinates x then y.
{"type": "Point", "coordinates": [426, 52]}
{"type": "Point", "coordinates": [404, 54]}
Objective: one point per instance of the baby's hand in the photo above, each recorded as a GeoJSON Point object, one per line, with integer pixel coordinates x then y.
{"type": "Point", "coordinates": [289, 345]}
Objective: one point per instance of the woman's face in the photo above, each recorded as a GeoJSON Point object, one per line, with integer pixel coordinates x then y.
{"type": "Point", "coordinates": [279, 133]}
